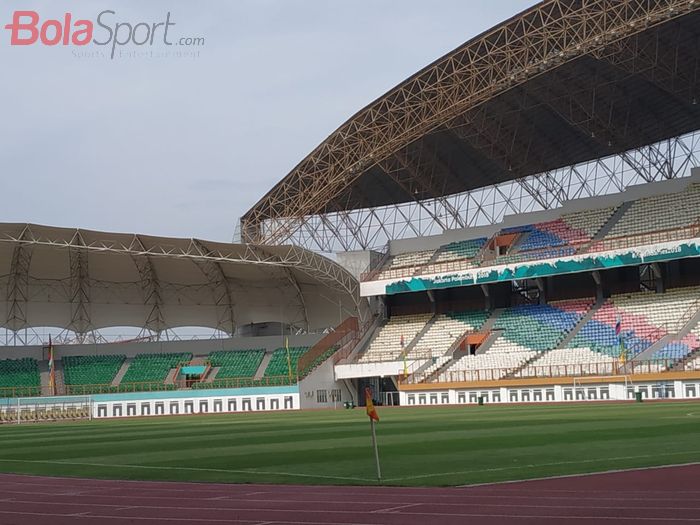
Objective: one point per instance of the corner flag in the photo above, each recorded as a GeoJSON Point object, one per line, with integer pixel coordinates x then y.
{"type": "Point", "coordinates": [373, 417]}
{"type": "Point", "coordinates": [369, 404]}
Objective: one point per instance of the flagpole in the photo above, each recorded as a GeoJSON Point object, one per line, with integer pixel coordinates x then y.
{"type": "Point", "coordinates": [373, 417]}
{"type": "Point", "coordinates": [376, 451]}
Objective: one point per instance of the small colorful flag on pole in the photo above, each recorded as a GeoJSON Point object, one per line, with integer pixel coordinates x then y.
{"type": "Point", "coordinates": [623, 352]}
{"type": "Point", "coordinates": [618, 326]}
{"type": "Point", "coordinates": [369, 404]}
{"type": "Point", "coordinates": [52, 370]}
{"type": "Point", "coordinates": [373, 417]}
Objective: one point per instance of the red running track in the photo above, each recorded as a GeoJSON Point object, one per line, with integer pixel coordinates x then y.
{"type": "Point", "coordinates": [663, 495]}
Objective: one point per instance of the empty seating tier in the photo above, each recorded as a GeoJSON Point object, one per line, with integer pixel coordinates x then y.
{"type": "Point", "coordinates": [281, 361]}
{"type": "Point", "coordinates": [650, 220]}
{"type": "Point", "coordinates": [525, 332]}
{"type": "Point", "coordinates": [694, 362]}
{"type": "Point", "coordinates": [445, 331]}
{"type": "Point", "coordinates": [460, 250]}
{"type": "Point", "coordinates": [152, 368]}
{"type": "Point", "coordinates": [660, 212]}
{"type": "Point", "coordinates": [398, 264]}
{"type": "Point", "coordinates": [238, 363]}
{"type": "Point", "coordinates": [386, 345]}
{"type": "Point", "coordinates": [645, 318]}
{"type": "Point", "coordinates": [538, 327]}
{"type": "Point", "coordinates": [19, 378]}
{"type": "Point", "coordinates": [90, 370]}
{"type": "Point", "coordinates": [562, 362]}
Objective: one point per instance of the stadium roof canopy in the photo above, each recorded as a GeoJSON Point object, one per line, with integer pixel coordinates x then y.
{"type": "Point", "coordinates": [564, 82]}
{"type": "Point", "coordinates": [82, 281]}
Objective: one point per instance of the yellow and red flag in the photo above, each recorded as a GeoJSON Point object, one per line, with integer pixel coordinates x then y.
{"type": "Point", "coordinates": [369, 405]}
{"type": "Point", "coordinates": [52, 369]}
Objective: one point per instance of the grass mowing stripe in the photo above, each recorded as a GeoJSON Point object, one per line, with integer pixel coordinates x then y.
{"type": "Point", "coordinates": [540, 465]}
{"type": "Point", "coordinates": [193, 469]}
{"type": "Point", "coordinates": [418, 446]}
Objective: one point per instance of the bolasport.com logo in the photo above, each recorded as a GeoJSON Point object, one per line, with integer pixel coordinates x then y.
{"type": "Point", "coordinates": [113, 37]}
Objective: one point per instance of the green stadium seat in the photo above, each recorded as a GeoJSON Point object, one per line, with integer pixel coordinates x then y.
{"type": "Point", "coordinates": [147, 372]}
{"type": "Point", "coordinates": [19, 378]}
{"type": "Point", "coordinates": [89, 374]}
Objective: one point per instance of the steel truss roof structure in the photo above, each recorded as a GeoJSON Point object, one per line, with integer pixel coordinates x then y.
{"type": "Point", "coordinates": [82, 281]}
{"type": "Point", "coordinates": [565, 83]}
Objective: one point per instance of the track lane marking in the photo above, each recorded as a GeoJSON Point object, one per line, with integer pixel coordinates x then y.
{"type": "Point", "coordinates": [389, 510]}
{"type": "Point", "coordinates": [284, 522]}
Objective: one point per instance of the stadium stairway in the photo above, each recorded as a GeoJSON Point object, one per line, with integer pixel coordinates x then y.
{"type": "Point", "coordinates": [60, 381]}
{"type": "Point", "coordinates": [514, 248]}
{"type": "Point", "coordinates": [432, 260]}
{"type": "Point", "coordinates": [691, 319]}
{"type": "Point", "coordinates": [365, 340]}
{"type": "Point", "coordinates": [681, 363]}
{"type": "Point", "coordinates": [211, 375]}
{"type": "Point", "coordinates": [120, 375]}
{"type": "Point", "coordinates": [489, 341]}
{"type": "Point", "coordinates": [412, 344]}
{"type": "Point", "coordinates": [44, 375]}
{"type": "Point", "coordinates": [648, 352]}
{"type": "Point", "coordinates": [172, 375]}
{"type": "Point", "coordinates": [441, 364]}
{"type": "Point", "coordinates": [260, 372]}
{"type": "Point", "coordinates": [488, 328]}
{"type": "Point", "coordinates": [582, 322]}
{"type": "Point", "coordinates": [564, 342]}
{"type": "Point", "coordinates": [692, 322]}
{"type": "Point", "coordinates": [612, 221]}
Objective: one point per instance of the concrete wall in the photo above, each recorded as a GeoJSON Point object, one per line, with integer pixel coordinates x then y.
{"type": "Point", "coordinates": [180, 402]}
{"type": "Point", "coordinates": [673, 389]}
{"type": "Point", "coordinates": [358, 261]}
{"type": "Point", "coordinates": [320, 390]}
{"type": "Point", "coordinates": [382, 369]}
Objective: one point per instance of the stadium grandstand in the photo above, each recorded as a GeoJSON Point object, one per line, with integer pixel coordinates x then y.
{"type": "Point", "coordinates": [516, 222]}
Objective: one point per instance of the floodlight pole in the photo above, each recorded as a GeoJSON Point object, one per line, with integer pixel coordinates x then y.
{"type": "Point", "coordinates": [376, 451]}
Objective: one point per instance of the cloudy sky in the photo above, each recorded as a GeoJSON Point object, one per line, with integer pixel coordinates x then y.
{"type": "Point", "coordinates": [183, 142]}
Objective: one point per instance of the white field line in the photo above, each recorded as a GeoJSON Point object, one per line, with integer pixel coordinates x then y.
{"type": "Point", "coordinates": [586, 474]}
{"type": "Point", "coordinates": [187, 469]}
{"type": "Point", "coordinates": [536, 465]}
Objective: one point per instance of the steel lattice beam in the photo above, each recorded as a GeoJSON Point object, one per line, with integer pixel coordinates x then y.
{"type": "Point", "coordinates": [672, 158]}
{"type": "Point", "coordinates": [540, 40]}
{"type": "Point", "coordinates": [18, 286]}
{"type": "Point", "coordinates": [79, 287]}
{"type": "Point", "coordinates": [223, 296]}
{"type": "Point", "coordinates": [208, 256]}
{"type": "Point", "coordinates": [155, 322]}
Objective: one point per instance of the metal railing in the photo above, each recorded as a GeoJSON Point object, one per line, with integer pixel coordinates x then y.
{"type": "Point", "coordinates": [373, 269]}
{"type": "Point", "coordinates": [338, 338]}
{"type": "Point", "coordinates": [352, 339]}
{"type": "Point", "coordinates": [652, 366]}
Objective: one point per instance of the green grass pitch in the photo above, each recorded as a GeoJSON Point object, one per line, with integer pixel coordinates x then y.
{"type": "Point", "coordinates": [417, 446]}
